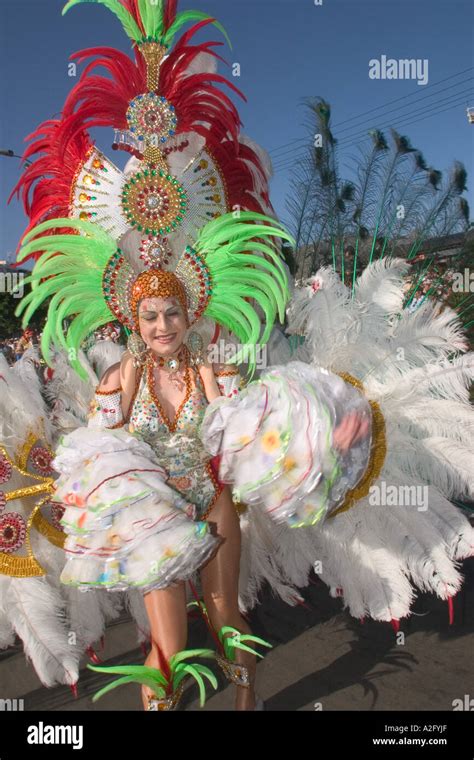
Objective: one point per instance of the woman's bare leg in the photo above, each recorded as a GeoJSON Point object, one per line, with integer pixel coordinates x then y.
{"type": "Point", "coordinates": [220, 584]}
{"type": "Point", "coordinates": [167, 613]}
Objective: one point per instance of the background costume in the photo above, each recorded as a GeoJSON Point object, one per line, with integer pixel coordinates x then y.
{"type": "Point", "coordinates": [133, 495]}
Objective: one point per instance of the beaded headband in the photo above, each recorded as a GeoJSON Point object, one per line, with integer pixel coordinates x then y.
{"type": "Point", "coordinates": [186, 276]}
{"type": "Point", "coordinates": [156, 284]}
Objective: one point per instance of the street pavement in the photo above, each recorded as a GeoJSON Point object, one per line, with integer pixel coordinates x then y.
{"type": "Point", "coordinates": [322, 659]}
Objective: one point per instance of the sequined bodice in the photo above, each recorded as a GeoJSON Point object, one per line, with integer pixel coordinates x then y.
{"type": "Point", "coordinates": [178, 449]}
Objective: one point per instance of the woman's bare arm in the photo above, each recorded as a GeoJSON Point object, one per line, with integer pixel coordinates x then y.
{"type": "Point", "coordinates": [210, 383]}
{"type": "Point", "coordinates": [210, 374]}
{"type": "Point", "coordinates": [128, 375]}
{"type": "Point", "coordinates": [110, 380]}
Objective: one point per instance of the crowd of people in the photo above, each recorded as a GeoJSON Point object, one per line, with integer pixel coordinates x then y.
{"type": "Point", "coordinates": [14, 348]}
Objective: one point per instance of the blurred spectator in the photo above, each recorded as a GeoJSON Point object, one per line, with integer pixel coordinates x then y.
{"type": "Point", "coordinates": [7, 350]}
{"type": "Point", "coordinates": [24, 343]}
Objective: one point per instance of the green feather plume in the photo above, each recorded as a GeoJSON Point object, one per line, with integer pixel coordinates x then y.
{"type": "Point", "coordinates": [129, 24]}
{"type": "Point", "coordinates": [74, 266]}
{"type": "Point", "coordinates": [227, 245]}
{"type": "Point", "coordinates": [152, 19]}
{"type": "Point", "coordinates": [156, 680]}
{"type": "Point", "coordinates": [71, 267]}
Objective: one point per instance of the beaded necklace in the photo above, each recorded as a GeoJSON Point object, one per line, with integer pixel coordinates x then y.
{"type": "Point", "coordinates": [172, 364]}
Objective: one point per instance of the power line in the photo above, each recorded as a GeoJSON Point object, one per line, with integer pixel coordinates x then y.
{"type": "Point", "coordinates": [430, 116]}
{"type": "Point", "coordinates": [377, 108]}
{"type": "Point", "coordinates": [363, 137]}
{"type": "Point", "coordinates": [391, 123]}
{"type": "Point", "coordinates": [469, 79]}
{"type": "Point", "coordinates": [348, 140]}
{"type": "Point", "coordinates": [424, 109]}
{"type": "Point", "coordinates": [403, 97]}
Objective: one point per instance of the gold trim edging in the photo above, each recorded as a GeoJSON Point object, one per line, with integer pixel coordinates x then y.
{"type": "Point", "coordinates": [377, 454]}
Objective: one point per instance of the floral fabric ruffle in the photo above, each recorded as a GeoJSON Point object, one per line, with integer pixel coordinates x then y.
{"type": "Point", "coordinates": [127, 528]}
{"type": "Point", "coordinates": [275, 442]}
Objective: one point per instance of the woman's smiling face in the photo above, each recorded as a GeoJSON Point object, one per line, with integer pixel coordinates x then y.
{"type": "Point", "coordinates": [162, 324]}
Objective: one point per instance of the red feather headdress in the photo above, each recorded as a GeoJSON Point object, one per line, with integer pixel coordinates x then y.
{"type": "Point", "coordinates": [61, 151]}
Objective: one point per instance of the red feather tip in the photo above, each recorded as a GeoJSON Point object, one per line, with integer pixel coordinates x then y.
{"type": "Point", "coordinates": [169, 12]}
{"type": "Point", "coordinates": [169, 15]}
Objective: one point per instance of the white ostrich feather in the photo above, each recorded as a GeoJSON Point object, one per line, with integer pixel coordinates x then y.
{"type": "Point", "coordinates": [111, 605]}
{"type": "Point", "coordinates": [428, 333]}
{"type": "Point", "coordinates": [420, 544]}
{"type": "Point", "coordinates": [26, 369]}
{"type": "Point", "coordinates": [86, 617]}
{"type": "Point", "coordinates": [368, 573]}
{"type": "Point", "coordinates": [103, 355]}
{"type": "Point", "coordinates": [381, 286]}
{"type": "Point", "coordinates": [455, 460]}
{"type": "Point", "coordinates": [425, 460]}
{"type": "Point", "coordinates": [7, 632]}
{"type": "Point", "coordinates": [21, 407]}
{"type": "Point", "coordinates": [379, 294]}
{"type": "Point", "coordinates": [260, 542]}
{"type": "Point", "coordinates": [326, 316]}
{"type": "Point", "coordinates": [263, 156]}
{"type": "Point", "coordinates": [69, 395]}
{"type": "Point", "coordinates": [438, 417]}
{"type": "Point", "coordinates": [457, 532]}
{"type": "Point", "coordinates": [37, 614]}
{"type": "Point", "coordinates": [443, 379]}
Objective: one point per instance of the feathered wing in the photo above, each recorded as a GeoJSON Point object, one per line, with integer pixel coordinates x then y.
{"type": "Point", "coordinates": [31, 606]}
{"type": "Point", "coordinates": [379, 551]}
{"type": "Point", "coordinates": [68, 395]}
{"type": "Point", "coordinates": [56, 624]}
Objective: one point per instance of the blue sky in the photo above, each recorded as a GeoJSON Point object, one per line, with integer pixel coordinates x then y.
{"type": "Point", "coordinates": [288, 50]}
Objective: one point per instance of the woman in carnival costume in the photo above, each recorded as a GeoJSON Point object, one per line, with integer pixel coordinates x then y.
{"type": "Point", "coordinates": [184, 466]}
